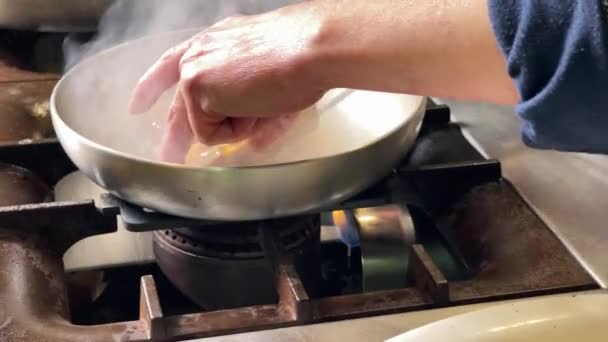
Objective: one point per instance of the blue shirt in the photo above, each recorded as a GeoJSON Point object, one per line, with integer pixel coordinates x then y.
{"type": "Point", "coordinates": [557, 54]}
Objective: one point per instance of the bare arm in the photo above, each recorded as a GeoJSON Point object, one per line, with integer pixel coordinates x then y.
{"type": "Point", "coordinates": [244, 76]}
{"type": "Point", "coordinates": [443, 48]}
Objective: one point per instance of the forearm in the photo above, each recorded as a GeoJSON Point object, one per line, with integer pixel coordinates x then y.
{"type": "Point", "coordinates": [443, 48]}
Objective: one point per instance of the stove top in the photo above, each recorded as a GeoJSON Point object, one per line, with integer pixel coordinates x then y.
{"type": "Point", "coordinates": [443, 229]}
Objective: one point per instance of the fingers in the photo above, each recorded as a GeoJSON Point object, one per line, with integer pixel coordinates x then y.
{"type": "Point", "coordinates": [160, 77]}
{"type": "Point", "coordinates": [267, 131]}
{"type": "Point", "coordinates": [212, 129]}
{"type": "Point", "coordinates": [178, 136]}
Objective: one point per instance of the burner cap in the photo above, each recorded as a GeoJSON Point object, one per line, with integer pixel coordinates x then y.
{"type": "Point", "coordinates": [242, 240]}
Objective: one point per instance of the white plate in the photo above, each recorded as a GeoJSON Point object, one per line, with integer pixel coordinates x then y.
{"type": "Point", "coordinates": [560, 318]}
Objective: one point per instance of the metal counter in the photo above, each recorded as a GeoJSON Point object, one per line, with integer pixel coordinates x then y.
{"type": "Point", "coordinates": [569, 191]}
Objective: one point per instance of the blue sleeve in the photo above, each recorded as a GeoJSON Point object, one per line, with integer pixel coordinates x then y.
{"type": "Point", "coordinates": [557, 54]}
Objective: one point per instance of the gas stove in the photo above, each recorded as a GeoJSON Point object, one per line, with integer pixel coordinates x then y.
{"type": "Point", "coordinates": [444, 229]}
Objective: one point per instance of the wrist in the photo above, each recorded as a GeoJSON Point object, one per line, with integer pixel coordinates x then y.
{"type": "Point", "coordinates": [321, 52]}
{"type": "Point", "coordinates": [351, 49]}
{"type": "Point", "coordinates": [325, 58]}
{"type": "Point", "coordinates": [333, 53]}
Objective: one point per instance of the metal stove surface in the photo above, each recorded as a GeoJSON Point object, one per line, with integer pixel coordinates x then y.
{"type": "Point", "coordinates": [567, 190]}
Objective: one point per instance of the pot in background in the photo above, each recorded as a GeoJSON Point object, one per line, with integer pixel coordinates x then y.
{"type": "Point", "coordinates": [46, 15]}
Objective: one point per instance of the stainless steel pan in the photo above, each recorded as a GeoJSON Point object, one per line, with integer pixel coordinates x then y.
{"type": "Point", "coordinates": [358, 140]}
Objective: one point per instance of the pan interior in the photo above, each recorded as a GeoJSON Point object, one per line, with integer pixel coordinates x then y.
{"type": "Point", "coordinates": [92, 101]}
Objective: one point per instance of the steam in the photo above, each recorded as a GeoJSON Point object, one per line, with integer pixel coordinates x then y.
{"type": "Point", "coordinates": [131, 19]}
{"type": "Point", "coordinates": [94, 100]}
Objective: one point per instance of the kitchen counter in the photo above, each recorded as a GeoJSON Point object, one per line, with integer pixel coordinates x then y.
{"type": "Point", "coordinates": [567, 190]}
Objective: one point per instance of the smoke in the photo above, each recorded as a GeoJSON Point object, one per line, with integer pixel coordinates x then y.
{"type": "Point", "coordinates": [94, 100]}
{"type": "Point", "coordinates": [131, 19]}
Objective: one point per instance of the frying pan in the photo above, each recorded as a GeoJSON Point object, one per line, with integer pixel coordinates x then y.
{"type": "Point", "coordinates": [360, 137]}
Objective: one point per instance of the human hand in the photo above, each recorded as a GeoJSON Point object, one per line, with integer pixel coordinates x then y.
{"type": "Point", "coordinates": [243, 78]}
{"type": "Point", "coordinates": [238, 79]}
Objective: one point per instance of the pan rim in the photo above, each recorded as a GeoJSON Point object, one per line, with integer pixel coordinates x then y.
{"type": "Point", "coordinates": [57, 119]}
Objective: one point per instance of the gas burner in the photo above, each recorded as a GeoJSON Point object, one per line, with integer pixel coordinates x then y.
{"type": "Point", "coordinates": [235, 258]}
{"type": "Point", "coordinates": [241, 240]}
